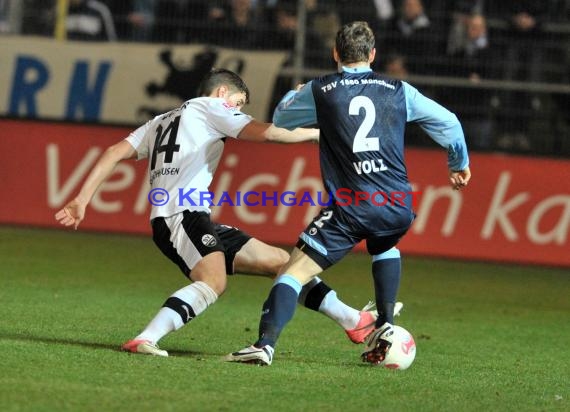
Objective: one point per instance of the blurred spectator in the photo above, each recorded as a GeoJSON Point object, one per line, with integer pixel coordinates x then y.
{"type": "Point", "coordinates": [522, 37]}
{"type": "Point", "coordinates": [282, 16]}
{"type": "Point", "coordinates": [134, 19]}
{"type": "Point", "coordinates": [474, 43]}
{"type": "Point", "coordinates": [384, 10]}
{"type": "Point", "coordinates": [141, 19]}
{"type": "Point", "coordinates": [38, 17]}
{"type": "Point", "coordinates": [89, 20]}
{"type": "Point", "coordinates": [523, 54]}
{"type": "Point", "coordinates": [284, 21]}
{"type": "Point", "coordinates": [4, 16]}
{"type": "Point", "coordinates": [412, 18]}
{"type": "Point", "coordinates": [473, 59]}
{"type": "Point", "coordinates": [410, 36]}
{"type": "Point", "coordinates": [395, 66]}
{"type": "Point", "coordinates": [181, 21]}
{"type": "Point", "coordinates": [440, 14]}
{"type": "Point", "coordinates": [384, 16]}
{"type": "Point", "coordinates": [461, 12]}
{"type": "Point", "coordinates": [326, 22]}
{"type": "Point", "coordinates": [236, 24]}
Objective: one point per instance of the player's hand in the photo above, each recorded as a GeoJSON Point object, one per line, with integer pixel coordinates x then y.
{"type": "Point", "coordinates": [459, 178]}
{"type": "Point", "coordinates": [299, 86]}
{"type": "Point", "coordinates": [71, 214]}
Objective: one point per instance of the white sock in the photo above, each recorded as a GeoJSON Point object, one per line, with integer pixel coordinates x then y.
{"type": "Point", "coordinates": [180, 308]}
{"type": "Point", "coordinates": [165, 321]}
{"type": "Point", "coordinates": [340, 312]}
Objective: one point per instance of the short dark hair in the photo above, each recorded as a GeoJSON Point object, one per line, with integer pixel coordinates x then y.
{"type": "Point", "coordinates": [220, 77]}
{"type": "Point", "coordinates": [354, 42]}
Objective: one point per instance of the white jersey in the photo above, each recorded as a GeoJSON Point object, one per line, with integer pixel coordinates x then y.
{"type": "Point", "coordinates": [183, 148]}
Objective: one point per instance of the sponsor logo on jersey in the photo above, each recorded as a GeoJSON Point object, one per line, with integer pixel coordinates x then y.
{"type": "Point", "coordinates": [209, 240]}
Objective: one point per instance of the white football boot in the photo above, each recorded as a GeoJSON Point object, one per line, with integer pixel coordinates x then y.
{"type": "Point", "coordinates": [258, 356]}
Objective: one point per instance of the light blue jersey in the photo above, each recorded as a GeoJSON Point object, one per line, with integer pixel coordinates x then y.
{"type": "Point", "coordinates": [297, 109]}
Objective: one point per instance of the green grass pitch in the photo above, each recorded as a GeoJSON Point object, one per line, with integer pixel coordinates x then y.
{"type": "Point", "coordinates": [489, 337]}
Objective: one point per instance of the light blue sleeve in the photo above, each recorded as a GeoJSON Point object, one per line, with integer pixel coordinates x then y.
{"type": "Point", "coordinates": [296, 109]}
{"type": "Point", "coordinates": [440, 124]}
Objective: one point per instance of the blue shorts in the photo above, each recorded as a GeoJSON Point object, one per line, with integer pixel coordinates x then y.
{"type": "Point", "coordinates": [327, 239]}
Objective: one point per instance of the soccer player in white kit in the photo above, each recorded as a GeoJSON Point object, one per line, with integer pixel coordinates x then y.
{"type": "Point", "coordinates": [183, 148]}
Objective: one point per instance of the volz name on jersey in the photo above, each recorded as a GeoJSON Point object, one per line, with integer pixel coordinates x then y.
{"type": "Point", "coordinates": [369, 166]}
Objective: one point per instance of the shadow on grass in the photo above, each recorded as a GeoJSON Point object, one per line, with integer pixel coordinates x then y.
{"type": "Point", "coordinates": [81, 343]}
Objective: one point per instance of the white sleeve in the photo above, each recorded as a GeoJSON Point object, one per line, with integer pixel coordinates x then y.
{"type": "Point", "coordinates": [226, 119]}
{"type": "Point", "coordinates": [139, 140]}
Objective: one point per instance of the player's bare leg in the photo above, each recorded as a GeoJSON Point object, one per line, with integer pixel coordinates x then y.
{"type": "Point", "coordinates": [259, 258]}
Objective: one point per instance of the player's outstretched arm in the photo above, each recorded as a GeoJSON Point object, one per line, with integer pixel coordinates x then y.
{"type": "Point", "coordinates": [268, 132]}
{"type": "Point", "coordinates": [440, 124]}
{"type": "Point", "coordinates": [459, 178]}
{"type": "Point", "coordinates": [74, 211]}
{"type": "Point", "coordinates": [296, 109]}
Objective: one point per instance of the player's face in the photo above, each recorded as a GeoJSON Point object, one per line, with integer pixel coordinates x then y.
{"type": "Point", "coordinates": [236, 100]}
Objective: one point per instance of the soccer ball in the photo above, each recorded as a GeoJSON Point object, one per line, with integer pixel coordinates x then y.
{"type": "Point", "coordinates": [403, 350]}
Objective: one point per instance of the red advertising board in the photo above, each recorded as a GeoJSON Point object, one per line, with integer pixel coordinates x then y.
{"type": "Point", "coordinates": [516, 209]}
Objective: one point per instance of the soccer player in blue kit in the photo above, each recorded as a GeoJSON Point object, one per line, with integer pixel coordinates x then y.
{"type": "Point", "coordinates": [362, 118]}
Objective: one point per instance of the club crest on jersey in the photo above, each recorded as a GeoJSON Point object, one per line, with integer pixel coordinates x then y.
{"type": "Point", "coordinates": [209, 240]}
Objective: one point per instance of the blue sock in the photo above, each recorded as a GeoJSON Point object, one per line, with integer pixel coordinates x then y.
{"type": "Point", "coordinates": [386, 271]}
{"type": "Point", "coordinates": [278, 309]}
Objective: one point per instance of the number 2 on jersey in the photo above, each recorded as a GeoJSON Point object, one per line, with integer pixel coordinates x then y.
{"type": "Point", "coordinates": [363, 143]}
{"type": "Point", "coordinates": [170, 147]}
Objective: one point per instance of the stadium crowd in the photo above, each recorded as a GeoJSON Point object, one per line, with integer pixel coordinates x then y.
{"type": "Point", "coordinates": [516, 41]}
